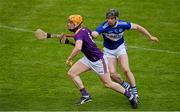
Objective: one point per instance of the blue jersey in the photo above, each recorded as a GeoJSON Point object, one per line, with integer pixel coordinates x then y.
{"type": "Point", "coordinates": [113, 36]}
{"type": "Point", "coordinates": [89, 48]}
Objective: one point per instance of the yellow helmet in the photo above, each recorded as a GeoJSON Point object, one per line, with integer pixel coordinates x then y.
{"type": "Point", "coordinates": [76, 19]}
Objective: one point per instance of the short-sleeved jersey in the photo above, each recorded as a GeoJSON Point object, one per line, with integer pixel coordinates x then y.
{"type": "Point", "coordinates": [89, 47]}
{"type": "Point", "coordinates": [113, 36]}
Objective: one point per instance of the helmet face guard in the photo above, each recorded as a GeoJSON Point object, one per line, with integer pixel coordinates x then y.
{"type": "Point", "coordinates": [76, 20]}
{"type": "Point", "coordinates": [112, 12]}
{"type": "Point", "coordinates": [74, 29]}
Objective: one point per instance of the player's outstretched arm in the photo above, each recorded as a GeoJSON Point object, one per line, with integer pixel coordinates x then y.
{"type": "Point", "coordinates": [40, 34]}
{"type": "Point", "coordinates": [94, 34]}
{"type": "Point", "coordinates": [145, 32]}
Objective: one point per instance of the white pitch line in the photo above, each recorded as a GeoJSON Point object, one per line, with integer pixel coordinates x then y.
{"type": "Point", "coordinates": [148, 49]}
{"type": "Point", "coordinates": [15, 28]}
{"type": "Point", "coordinates": [98, 42]}
{"type": "Point", "coordinates": [155, 50]}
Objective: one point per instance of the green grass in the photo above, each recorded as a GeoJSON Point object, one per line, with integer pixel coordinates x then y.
{"type": "Point", "coordinates": [33, 73]}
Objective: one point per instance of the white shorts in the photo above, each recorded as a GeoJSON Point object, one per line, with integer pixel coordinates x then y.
{"type": "Point", "coordinates": [115, 53]}
{"type": "Point", "coordinates": [100, 66]}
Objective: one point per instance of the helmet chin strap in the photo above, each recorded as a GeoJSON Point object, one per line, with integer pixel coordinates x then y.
{"type": "Point", "coordinates": [75, 29]}
{"type": "Point", "coordinates": [72, 30]}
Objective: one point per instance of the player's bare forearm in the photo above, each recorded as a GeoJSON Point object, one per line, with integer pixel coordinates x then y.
{"type": "Point", "coordinates": [69, 35]}
{"type": "Point", "coordinates": [145, 32]}
{"type": "Point", "coordinates": [141, 29]}
{"type": "Point", "coordinates": [56, 35]}
{"type": "Point", "coordinates": [64, 38]}
{"type": "Point", "coordinates": [60, 35]}
{"type": "Point", "coordinates": [73, 54]}
{"type": "Point", "coordinates": [76, 50]}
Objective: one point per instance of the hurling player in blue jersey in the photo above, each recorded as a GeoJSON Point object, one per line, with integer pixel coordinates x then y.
{"type": "Point", "coordinates": [114, 46]}
{"type": "Point", "coordinates": [93, 59]}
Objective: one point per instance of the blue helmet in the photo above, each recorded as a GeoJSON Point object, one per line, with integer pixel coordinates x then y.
{"type": "Point", "coordinates": [112, 12]}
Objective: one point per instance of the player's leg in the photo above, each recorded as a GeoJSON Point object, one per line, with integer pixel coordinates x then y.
{"type": "Point", "coordinates": [123, 60]}
{"type": "Point", "coordinates": [101, 68]}
{"type": "Point", "coordinates": [74, 74]}
{"type": "Point", "coordinates": [105, 78]}
{"type": "Point", "coordinates": [112, 64]}
{"type": "Point", "coordinates": [75, 71]}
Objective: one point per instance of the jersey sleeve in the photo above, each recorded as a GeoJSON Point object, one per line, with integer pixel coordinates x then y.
{"type": "Point", "coordinates": [79, 37]}
{"type": "Point", "coordinates": [126, 25]}
{"type": "Point", "coordinates": [100, 29]}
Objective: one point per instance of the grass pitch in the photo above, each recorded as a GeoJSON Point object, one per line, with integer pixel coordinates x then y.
{"type": "Point", "coordinates": [33, 73]}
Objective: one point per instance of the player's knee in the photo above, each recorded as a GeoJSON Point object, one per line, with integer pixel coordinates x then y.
{"type": "Point", "coordinates": [112, 73]}
{"type": "Point", "coordinates": [71, 74]}
{"type": "Point", "coordinates": [126, 71]}
{"type": "Point", "coordinates": [108, 85]}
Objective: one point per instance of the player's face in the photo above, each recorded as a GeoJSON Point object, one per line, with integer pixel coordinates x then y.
{"type": "Point", "coordinates": [111, 21]}
{"type": "Point", "coordinates": [71, 25]}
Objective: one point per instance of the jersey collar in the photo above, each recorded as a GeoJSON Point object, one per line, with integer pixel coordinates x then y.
{"type": "Point", "coordinates": [116, 24]}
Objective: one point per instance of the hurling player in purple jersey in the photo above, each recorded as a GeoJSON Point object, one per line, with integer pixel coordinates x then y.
{"type": "Point", "coordinates": [114, 46]}
{"type": "Point", "coordinates": [93, 59]}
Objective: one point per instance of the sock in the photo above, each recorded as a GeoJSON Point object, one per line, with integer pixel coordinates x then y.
{"type": "Point", "coordinates": [84, 92]}
{"type": "Point", "coordinates": [124, 84]}
{"type": "Point", "coordinates": [134, 90]}
{"type": "Point", "coordinates": [128, 94]}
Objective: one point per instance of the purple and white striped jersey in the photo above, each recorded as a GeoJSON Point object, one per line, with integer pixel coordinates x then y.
{"type": "Point", "coordinates": [89, 47]}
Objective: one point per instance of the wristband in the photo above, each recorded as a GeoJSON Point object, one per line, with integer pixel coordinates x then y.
{"type": "Point", "coordinates": [48, 35]}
